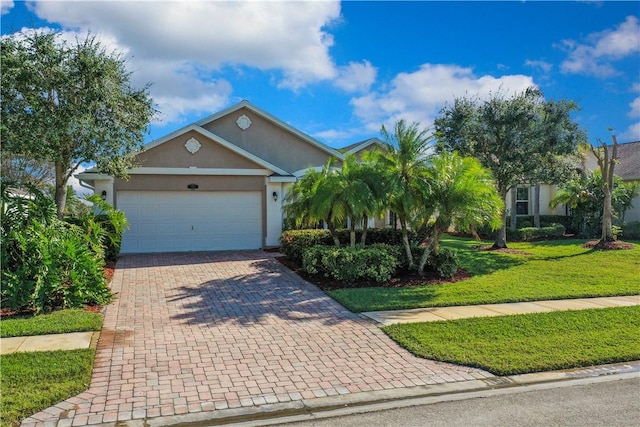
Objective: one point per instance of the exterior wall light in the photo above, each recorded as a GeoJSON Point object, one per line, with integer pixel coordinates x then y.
{"type": "Point", "coordinates": [104, 194]}
{"type": "Point", "coordinates": [275, 196]}
{"type": "Point", "coordinates": [192, 186]}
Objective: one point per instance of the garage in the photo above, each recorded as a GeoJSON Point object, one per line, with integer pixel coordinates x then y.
{"type": "Point", "coordinates": [183, 221]}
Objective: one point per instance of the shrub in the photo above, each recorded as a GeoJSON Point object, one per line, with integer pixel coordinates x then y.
{"type": "Point", "coordinates": [47, 263]}
{"type": "Point", "coordinates": [350, 265]}
{"type": "Point", "coordinates": [445, 262]}
{"type": "Point", "coordinates": [294, 242]}
{"type": "Point", "coordinates": [631, 230]}
{"type": "Point", "coordinates": [531, 233]}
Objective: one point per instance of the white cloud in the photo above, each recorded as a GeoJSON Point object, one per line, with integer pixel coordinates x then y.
{"type": "Point", "coordinates": [635, 108]}
{"type": "Point", "coordinates": [632, 133]}
{"type": "Point", "coordinates": [182, 47]}
{"type": "Point", "coordinates": [6, 6]}
{"type": "Point", "coordinates": [542, 65]}
{"type": "Point", "coordinates": [356, 77]}
{"type": "Point", "coordinates": [419, 96]}
{"type": "Point", "coordinates": [595, 56]}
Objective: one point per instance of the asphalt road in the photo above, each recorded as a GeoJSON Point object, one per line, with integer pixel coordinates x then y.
{"type": "Point", "coordinates": [598, 403]}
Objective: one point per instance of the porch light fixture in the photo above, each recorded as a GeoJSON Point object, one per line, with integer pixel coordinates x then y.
{"type": "Point", "coordinates": [192, 186]}
{"type": "Point", "coordinates": [275, 196]}
{"type": "Point", "coordinates": [104, 194]}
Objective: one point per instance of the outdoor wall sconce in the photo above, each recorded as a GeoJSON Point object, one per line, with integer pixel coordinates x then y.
{"type": "Point", "coordinates": [192, 186]}
{"type": "Point", "coordinates": [104, 194]}
{"type": "Point", "coordinates": [275, 196]}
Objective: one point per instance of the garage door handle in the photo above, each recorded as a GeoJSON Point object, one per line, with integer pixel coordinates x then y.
{"type": "Point", "coordinates": [192, 228]}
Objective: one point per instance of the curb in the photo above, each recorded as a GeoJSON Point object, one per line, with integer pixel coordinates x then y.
{"type": "Point", "coordinates": [330, 406]}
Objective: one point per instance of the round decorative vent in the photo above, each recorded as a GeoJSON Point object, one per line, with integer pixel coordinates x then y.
{"type": "Point", "coordinates": [243, 122]}
{"type": "Point", "coordinates": [192, 145]}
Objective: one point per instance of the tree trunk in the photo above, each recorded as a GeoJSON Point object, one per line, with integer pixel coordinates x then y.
{"type": "Point", "coordinates": [61, 189]}
{"type": "Point", "coordinates": [607, 215]}
{"type": "Point", "coordinates": [352, 233]}
{"type": "Point", "coordinates": [536, 206]}
{"type": "Point", "coordinates": [405, 240]}
{"type": "Point", "coordinates": [365, 228]}
{"type": "Point", "coordinates": [332, 230]}
{"type": "Point", "coordinates": [514, 210]}
{"type": "Point", "coordinates": [501, 235]}
{"type": "Point", "coordinates": [431, 246]}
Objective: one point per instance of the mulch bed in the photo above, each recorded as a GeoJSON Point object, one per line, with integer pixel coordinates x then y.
{"type": "Point", "coordinates": [608, 246]}
{"type": "Point", "coordinates": [403, 280]}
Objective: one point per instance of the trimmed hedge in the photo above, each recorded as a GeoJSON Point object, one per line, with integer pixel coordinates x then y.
{"type": "Point", "coordinates": [294, 242]}
{"type": "Point", "coordinates": [555, 231]}
{"type": "Point", "coordinates": [351, 265]}
{"type": "Point", "coordinates": [631, 230]}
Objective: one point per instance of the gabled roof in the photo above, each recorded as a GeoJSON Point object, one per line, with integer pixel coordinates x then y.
{"type": "Point", "coordinates": [359, 146]}
{"type": "Point", "coordinates": [269, 117]}
{"type": "Point", "coordinates": [628, 167]}
{"type": "Point", "coordinates": [221, 141]}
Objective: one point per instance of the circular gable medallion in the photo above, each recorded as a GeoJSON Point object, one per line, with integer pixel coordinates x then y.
{"type": "Point", "coordinates": [192, 145]}
{"type": "Point", "coordinates": [243, 122]}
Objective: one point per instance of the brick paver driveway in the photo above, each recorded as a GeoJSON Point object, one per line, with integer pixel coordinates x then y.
{"type": "Point", "coordinates": [206, 331]}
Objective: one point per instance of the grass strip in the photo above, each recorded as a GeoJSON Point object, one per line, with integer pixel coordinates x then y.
{"type": "Point", "coordinates": [553, 270]}
{"type": "Point", "coordinates": [520, 344]}
{"type": "Point", "coordinates": [32, 382]}
{"type": "Point", "coordinates": [58, 322]}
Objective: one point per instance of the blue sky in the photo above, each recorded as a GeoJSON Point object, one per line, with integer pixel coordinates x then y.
{"type": "Point", "coordinates": [339, 70]}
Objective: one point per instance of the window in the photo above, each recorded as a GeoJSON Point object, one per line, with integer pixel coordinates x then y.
{"type": "Point", "coordinates": [522, 201]}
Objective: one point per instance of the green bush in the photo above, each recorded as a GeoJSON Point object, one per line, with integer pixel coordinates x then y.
{"type": "Point", "coordinates": [294, 242]}
{"type": "Point", "coordinates": [47, 263]}
{"type": "Point", "coordinates": [631, 230]}
{"type": "Point", "coordinates": [445, 262]}
{"type": "Point", "coordinates": [531, 233]}
{"type": "Point", "coordinates": [350, 265]}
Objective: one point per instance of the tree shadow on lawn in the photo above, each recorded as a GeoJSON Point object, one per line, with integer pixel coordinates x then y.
{"type": "Point", "coordinates": [272, 291]}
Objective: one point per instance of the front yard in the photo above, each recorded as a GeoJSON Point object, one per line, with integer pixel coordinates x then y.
{"type": "Point", "coordinates": [555, 269]}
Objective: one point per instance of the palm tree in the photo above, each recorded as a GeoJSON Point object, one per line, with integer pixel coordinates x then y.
{"type": "Point", "coordinates": [461, 193]}
{"type": "Point", "coordinates": [402, 165]}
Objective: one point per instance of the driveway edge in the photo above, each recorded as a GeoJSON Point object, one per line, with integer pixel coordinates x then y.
{"type": "Point", "coordinates": [330, 406]}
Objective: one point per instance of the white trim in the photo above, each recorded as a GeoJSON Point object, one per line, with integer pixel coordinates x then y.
{"type": "Point", "coordinates": [246, 104]}
{"type": "Point", "coordinates": [301, 172]}
{"type": "Point", "coordinates": [198, 171]}
{"type": "Point", "coordinates": [364, 145]}
{"type": "Point", "coordinates": [93, 176]}
{"type": "Point", "coordinates": [282, 179]}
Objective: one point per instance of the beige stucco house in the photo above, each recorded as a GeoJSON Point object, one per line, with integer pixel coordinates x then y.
{"type": "Point", "coordinates": [217, 184]}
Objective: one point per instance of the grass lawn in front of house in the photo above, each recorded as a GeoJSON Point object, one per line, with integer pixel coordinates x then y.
{"type": "Point", "coordinates": [35, 381]}
{"type": "Point", "coordinates": [57, 322]}
{"type": "Point", "coordinates": [525, 343]}
{"type": "Point", "coordinates": [556, 269]}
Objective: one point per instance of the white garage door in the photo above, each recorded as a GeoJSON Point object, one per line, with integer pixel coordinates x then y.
{"type": "Point", "coordinates": [181, 221]}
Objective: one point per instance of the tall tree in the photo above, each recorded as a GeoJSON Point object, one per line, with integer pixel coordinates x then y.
{"type": "Point", "coordinates": [515, 137]}
{"type": "Point", "coordinates": [403, 165]}
{"type": "Point", "coordinates": [607, 157]}
{"type": "Point", "coordinates": [69, 105]}
{"type": "Point", "coordinates": [461, 193]}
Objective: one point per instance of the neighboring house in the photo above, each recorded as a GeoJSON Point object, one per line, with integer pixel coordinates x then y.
{"type": "Point", "coordinates": [627, 168]}
{"type": "Point", "coordinates": [217, 184]}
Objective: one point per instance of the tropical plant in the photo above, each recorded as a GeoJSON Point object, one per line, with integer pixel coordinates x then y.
{"type": "Point", "coordinates": [462, 194]}
{"type": "Point", "coordinates": [402, 165]}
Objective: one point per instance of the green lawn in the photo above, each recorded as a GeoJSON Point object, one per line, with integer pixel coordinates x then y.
{"type": "Point", "coordinates": [58, 322]}
{"type": "Point", "coordinates": [35, 381]}
{"type": "Point", "coordinates": [528, 343]}
{"type": "Point", "coordinates": [553, 270]}
{"type": "Point", "coordinates": [32, 382]}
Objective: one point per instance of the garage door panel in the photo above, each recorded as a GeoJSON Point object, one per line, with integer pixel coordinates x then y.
{"type": "Point", "coordinates": [167, 221]}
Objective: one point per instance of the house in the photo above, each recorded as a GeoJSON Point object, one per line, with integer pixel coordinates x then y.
{"type": "Point", "coordinates": [216, 184]}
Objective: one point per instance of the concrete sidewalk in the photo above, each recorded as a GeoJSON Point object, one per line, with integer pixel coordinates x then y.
{"type": "Point", "coordinates": [490, 310]}
{"type": "Point", "coordinates": [79, 340]}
